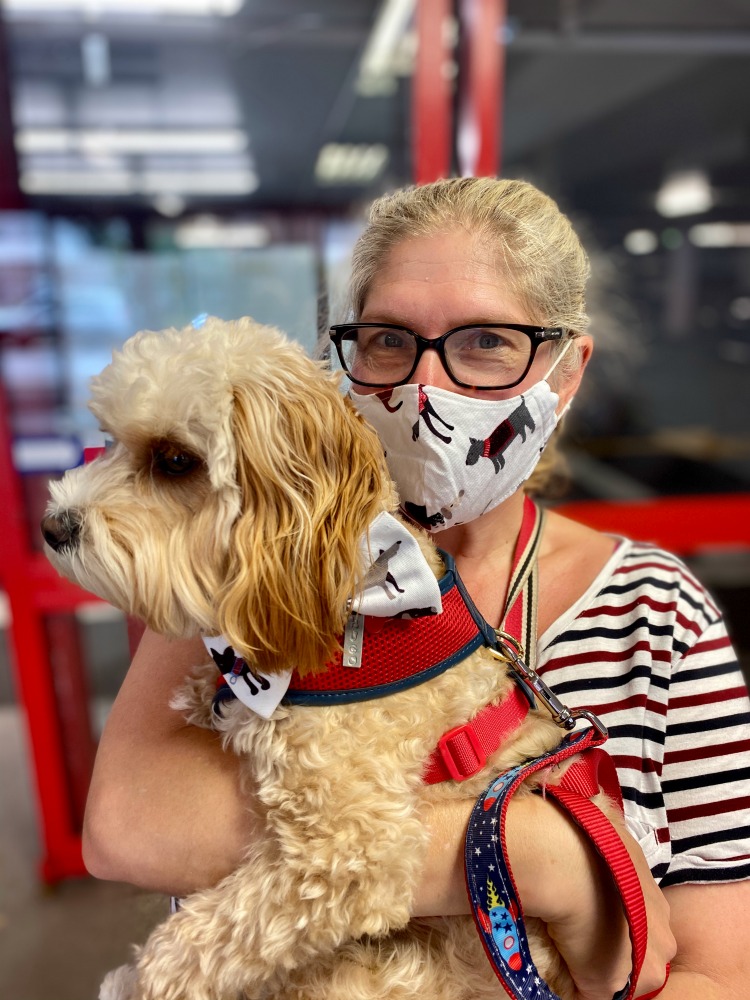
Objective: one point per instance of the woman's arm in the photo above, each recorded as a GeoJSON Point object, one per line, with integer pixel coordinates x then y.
{"type": "Point", "coordinates": [165, 810]}
{"type": "Point", "coordinates": [713, 941]}
{"type": "Point", "coordinates": [706, 923]}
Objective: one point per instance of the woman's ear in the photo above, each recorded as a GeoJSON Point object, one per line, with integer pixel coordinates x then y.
{"type": "Point", "coordinates": [569, 379]}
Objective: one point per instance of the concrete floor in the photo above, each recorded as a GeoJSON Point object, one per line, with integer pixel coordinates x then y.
{"type": "Point", "coordinates": [55, 944]}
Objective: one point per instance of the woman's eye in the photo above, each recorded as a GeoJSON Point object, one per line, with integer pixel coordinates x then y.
{"type": "Point", "coordinates": [173, 462]}
{"type": "Point", "coordinates": [488, 341]}
{"type": "Point", "coordinates": [392, 340]}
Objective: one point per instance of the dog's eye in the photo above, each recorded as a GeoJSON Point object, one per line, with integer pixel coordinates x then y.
{"type": "Point", "coordinates": [173, 461]}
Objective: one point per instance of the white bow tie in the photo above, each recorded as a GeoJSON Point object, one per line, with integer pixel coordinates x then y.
{"type": "Point", "coordinates": [399, 583]}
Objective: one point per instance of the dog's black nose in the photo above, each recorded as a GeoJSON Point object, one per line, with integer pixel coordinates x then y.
{"type": "Point", "coordinates": [61, 531]}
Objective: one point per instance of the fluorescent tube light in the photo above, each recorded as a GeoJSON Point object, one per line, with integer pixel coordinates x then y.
{"type": "Point", "coordinates": [348, 163]}
{"type": "Point", "coordinates": [199, 182]}
{"type": "Point", "coordinates": [206, 232]}
{"type": "Point", "coordinates": [78, 182]}
{"type": "Point", "coordinates": [132, 141]}
{"type": "Point", "coordinates": [187, 8]}
{"type": "Point", "coordinates": [720, 234]}
{"type": "Point", "coordinates": [123, 182]}
{"type": "Point", "coordinates": [377, 67]}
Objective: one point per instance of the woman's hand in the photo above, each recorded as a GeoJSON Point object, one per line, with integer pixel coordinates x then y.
{"type": "Point", "coordinates": [561, 879]}
{"type": "Point", "coordinates": [586, 921]}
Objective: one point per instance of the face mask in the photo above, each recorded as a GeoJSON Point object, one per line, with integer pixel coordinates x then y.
{"type": "Point", "coordinates": [453, 457]}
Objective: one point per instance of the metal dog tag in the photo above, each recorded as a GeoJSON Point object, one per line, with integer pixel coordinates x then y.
{"type": "Point", "coordinates": [353, 636]}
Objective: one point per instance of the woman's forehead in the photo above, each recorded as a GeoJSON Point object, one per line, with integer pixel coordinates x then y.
{"type": "Point", "coordinates": [450, 274]}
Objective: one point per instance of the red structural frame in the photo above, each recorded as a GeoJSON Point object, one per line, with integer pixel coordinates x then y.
{"type": "Point", "coordinates": [57, 724]}
{"type": "Point", "coordinates": [687, 525]}
{"type": "Point", "coordinates": [432, 93]}
{"type": "Point", "coordinates": [481, 72]}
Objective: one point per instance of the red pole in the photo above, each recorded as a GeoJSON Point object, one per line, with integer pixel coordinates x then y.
{"type": "Point", "coordinates": [486, 72]}
{"type": "Point", "coordinates": [432, 112]}
{"type": "Point", "coordinates": [33, 671]}
{"type": "Point", "coordinates": [481, 77]}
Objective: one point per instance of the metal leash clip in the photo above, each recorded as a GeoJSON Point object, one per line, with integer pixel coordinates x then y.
{"type": "Point", "coordinates": [561, 714]}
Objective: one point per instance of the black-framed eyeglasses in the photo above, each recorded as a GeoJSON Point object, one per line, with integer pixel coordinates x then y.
{"type": "Point", "coordinates": [476, 356]}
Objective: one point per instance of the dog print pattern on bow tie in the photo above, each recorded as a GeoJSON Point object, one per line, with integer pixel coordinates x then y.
{"type": "Point", "coordinates": [258, 691]}
{"type": "Point", "coordinates": [398, 583]}
{"type": "Point", "coordinates": [234, 668]}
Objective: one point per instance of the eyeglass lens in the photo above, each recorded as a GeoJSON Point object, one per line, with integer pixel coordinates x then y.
{"type": "Point", "coordinates": [478, 356]}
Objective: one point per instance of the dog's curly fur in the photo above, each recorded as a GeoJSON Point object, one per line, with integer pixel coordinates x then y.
{"type": "Point", "coordinates": [233, 501]}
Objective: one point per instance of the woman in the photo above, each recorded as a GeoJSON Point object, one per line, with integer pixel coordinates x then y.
{"type": "Point", "coordinates": [473, 290]}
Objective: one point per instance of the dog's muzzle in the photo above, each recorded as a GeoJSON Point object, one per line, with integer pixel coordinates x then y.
{"type": "Point", "coordinates": [62, 531]}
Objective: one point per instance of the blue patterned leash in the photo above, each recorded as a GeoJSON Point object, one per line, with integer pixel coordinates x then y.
{"type": "Point", "coordinates": [496, 906]}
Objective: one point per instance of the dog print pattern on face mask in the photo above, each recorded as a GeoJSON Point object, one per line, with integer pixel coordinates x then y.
{"type": "Point", "coordinates": [495, 445]}
{"type": "Point", "coordinates": [427, 412]}
{"type": "Point", "coordinates": [472, 453]}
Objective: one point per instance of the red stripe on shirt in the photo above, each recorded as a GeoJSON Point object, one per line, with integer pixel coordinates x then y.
{"type": "Point", "coordinates": [708, 698]}
{"type": "Point", "coordinates": [704, 809]}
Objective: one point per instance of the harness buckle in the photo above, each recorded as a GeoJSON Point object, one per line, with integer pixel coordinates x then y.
{"type": "Point", "coordinates": [456, 747]}
{"type": "Point", "coordinates": [561, 714]}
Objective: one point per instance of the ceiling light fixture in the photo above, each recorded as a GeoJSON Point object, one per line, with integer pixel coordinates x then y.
{"type": "Point", "coordinates": [377, 68]}
{"type": "Point", "coordinates": [349, 163]}
{"type": "Point", "coordinates": [133, 8]}
{"type": "Point", "coordinates": [641, 241]}
{"type": "Point", "coordinates": [209, 233]}
{"type": "Point", "coordinates": [687, 192]}
{"type": "Point", "coordinates": [78, 182]}
{"type": "Point", "coordinates": [133, 141]}
{"type": "Point", "coordinates": [99, 183]}
{"type": "Point", "coordinates": [198, 182]}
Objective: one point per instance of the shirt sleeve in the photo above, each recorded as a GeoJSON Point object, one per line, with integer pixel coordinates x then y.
{"type": "Point", "coordinates": [647, 650]}
{"type": "Point", "coordinates": [706, 767]}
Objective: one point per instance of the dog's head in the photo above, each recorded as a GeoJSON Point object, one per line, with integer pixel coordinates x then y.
{"type": "Point", "coordinates": [233, 497]}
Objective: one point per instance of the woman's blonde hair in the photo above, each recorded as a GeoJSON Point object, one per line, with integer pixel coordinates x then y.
{"type": "Point", "coordinates": [533, 243]}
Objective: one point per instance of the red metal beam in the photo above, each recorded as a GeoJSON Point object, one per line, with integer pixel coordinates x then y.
{"type": "Point", "coordinates": [482, 76]}
{"type": "Point", "coordinates": [432, 89]}
{"type": "Point", "coordinates": [686, 525]}
{"type": "Point", "coordinates": [58, 727]}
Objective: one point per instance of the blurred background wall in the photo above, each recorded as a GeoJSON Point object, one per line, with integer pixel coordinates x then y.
{"type": "Point", "coordinates": [160, 159]}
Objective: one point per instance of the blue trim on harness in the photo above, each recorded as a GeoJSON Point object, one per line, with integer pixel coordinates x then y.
{"type": "Point", "coordinates": [382, 690]}
{"type": "Point", "coordinates": [485, 636]}
{"type": "Point", "coordinates": [487, 631]}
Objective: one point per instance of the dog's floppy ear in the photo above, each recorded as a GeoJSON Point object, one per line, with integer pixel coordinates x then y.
{"type": "Point", "coordinates": [313, 477]}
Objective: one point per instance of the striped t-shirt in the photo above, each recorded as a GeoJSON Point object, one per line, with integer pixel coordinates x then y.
{"type": "Point", "coordinates": [645, 649]}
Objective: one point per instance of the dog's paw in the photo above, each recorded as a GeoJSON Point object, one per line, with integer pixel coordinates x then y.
{"type": "Point", "coordinates": [121, 984]}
